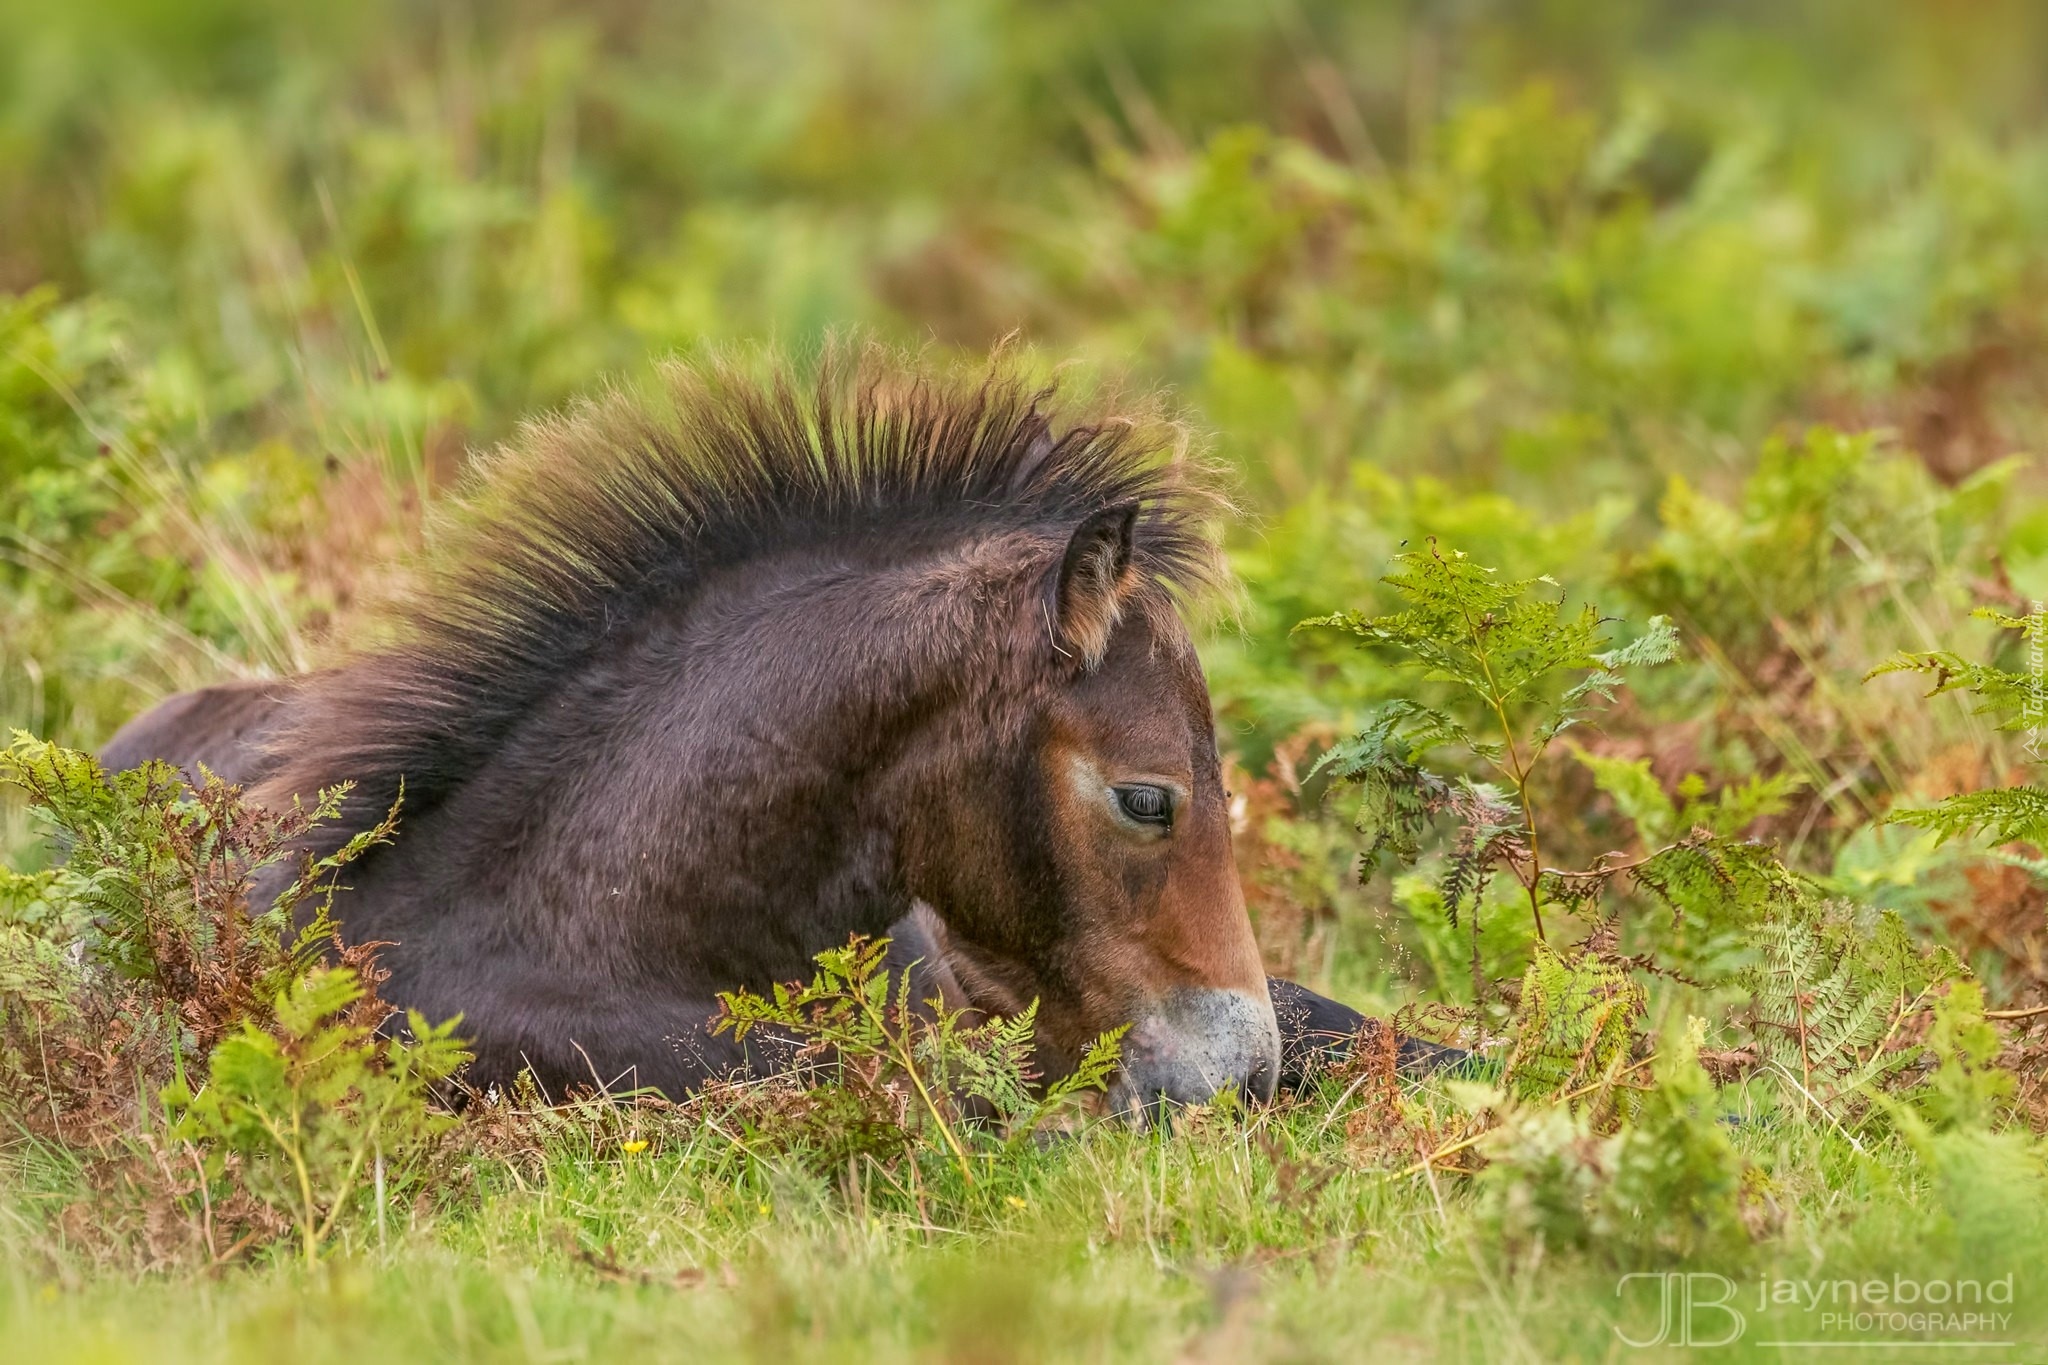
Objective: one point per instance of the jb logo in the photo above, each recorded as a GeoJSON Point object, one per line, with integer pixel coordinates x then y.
{"type": "Point", "coordinates": [1693, 1309]}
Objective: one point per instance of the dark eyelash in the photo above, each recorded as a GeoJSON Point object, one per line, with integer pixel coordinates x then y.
{"type": "Point", "coordinates": [1126, 796]}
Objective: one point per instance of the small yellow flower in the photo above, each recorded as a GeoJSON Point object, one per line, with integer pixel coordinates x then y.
{"type": "Point", "coordinates": [636, 1145]}
{"type": "Point", "coordinates": [1014, 1202]}
{"type": "Point", "coordinates": [766, 1210]}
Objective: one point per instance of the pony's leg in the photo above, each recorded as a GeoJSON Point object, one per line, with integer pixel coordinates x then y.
{"type": "Point", "coordinates": [1317, 1032]}
{"type": "Point", "coordinates": [616, 1040]}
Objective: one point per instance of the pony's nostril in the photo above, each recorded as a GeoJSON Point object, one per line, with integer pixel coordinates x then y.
{"type": "Point", "coordinates": [1263, 1081]}
{"type": "Point", "coordinates": [1196, 1043]}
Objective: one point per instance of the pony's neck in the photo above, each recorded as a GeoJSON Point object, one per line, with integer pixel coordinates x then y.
{"type": "Point", "coordinates": [734, 756]}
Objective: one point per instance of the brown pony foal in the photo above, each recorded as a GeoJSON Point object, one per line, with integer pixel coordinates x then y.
{"type": "Point", "coordinates": [702, 685]}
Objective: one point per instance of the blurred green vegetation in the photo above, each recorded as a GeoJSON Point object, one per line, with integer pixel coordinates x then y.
{"type": "Point", "coordinates": [1723, 311]}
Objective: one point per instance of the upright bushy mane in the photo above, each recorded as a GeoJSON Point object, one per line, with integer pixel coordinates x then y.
{"type": "Point", "coordinates": [574, 530]}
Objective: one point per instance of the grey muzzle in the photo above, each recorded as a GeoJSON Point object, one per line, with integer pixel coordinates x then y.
{"type": "Point", "coordinates": [1194, 1044]}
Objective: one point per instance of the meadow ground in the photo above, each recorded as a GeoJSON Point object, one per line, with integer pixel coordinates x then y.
{"type": "Point", "coordinates": [1112, 1247]}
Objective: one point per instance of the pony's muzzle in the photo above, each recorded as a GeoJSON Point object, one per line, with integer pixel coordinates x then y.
{"type": "Point", "coordinates": [1195, 1044]}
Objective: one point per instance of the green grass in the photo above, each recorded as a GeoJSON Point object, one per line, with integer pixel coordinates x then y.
{"type": "Point", "coordinates": [1109, 1246]}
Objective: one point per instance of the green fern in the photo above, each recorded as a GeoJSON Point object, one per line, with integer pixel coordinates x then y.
{"type": "Point", "coordinates": [138, 967]}
{"type": "Point", "coordinates": [1574, 1024]}
{"type": "Point", "coordinates": [155, 884]}
{"type": "Point", "coordinates": [308, 1102]}
{"type": "Point", "coordinates": [1658, 819]}
{"type": "Point", "coordinates": [874, 1047]}
{"type": "Point", "coordinates": [2004, 815]}
{"type": "Point", "coordinates": [1676, 1175]}
{"type": "Point", "coordinates": [143, 935]}
{"type": "Point", "coordinates": [1834, 993]}
{"type": "Point", "coordinates": [1662, 1189]}
{"type": "Point", "coordinates": [1714, 885]}
{"type": "Point", "coordinates": [1527, 670]}
{"type": "Point", "coordinates": [2018, 701]}
{"type": "Point", "coordinates": [1720, 883]}
{"type": "Point", "coordinates": [1967, 1088]}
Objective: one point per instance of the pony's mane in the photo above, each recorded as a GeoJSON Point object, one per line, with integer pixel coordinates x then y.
{"type": "Point", "coordinates": [572, 530]}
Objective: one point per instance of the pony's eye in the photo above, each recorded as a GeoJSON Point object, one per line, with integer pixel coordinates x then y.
{"type": "Point", "coordinates": [1146, 805]}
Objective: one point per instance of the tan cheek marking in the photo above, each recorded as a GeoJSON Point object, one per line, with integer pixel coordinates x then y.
{"type": "Point", "coordinates": [1085, 790]}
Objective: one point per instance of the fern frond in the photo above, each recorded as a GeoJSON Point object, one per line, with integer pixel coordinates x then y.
{"type": "Point", "coordinates": [1398, 799]}
{"type": "Point", "coordinates": [1722, 881]}
{"type": "Point", "coordinates": [1576, 1020]}
{"type": "Point", "coordinates": [1740, 805]}
{"type": "Point", "coordinates": [1831, 991]}
{"type": "Point", "coordinates": [2003, 815]}
{"type": "Point", "coordinates": [2018, 699]}
{"type": "Point", "coordinates": [1489, 833]}
{"type": "Point", "coordinates": [1504, 645]}
{"type": "Point", "coordinates": [1636, 793]}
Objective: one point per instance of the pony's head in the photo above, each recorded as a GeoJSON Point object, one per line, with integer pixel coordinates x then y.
{"type": "Point", "coordinates": [1080, 855]}
{"type": "Point", "coordinates": [706, 682]}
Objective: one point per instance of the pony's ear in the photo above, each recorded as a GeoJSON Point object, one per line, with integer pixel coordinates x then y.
{"type": "Point", "coordinates": [1094, 573]}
